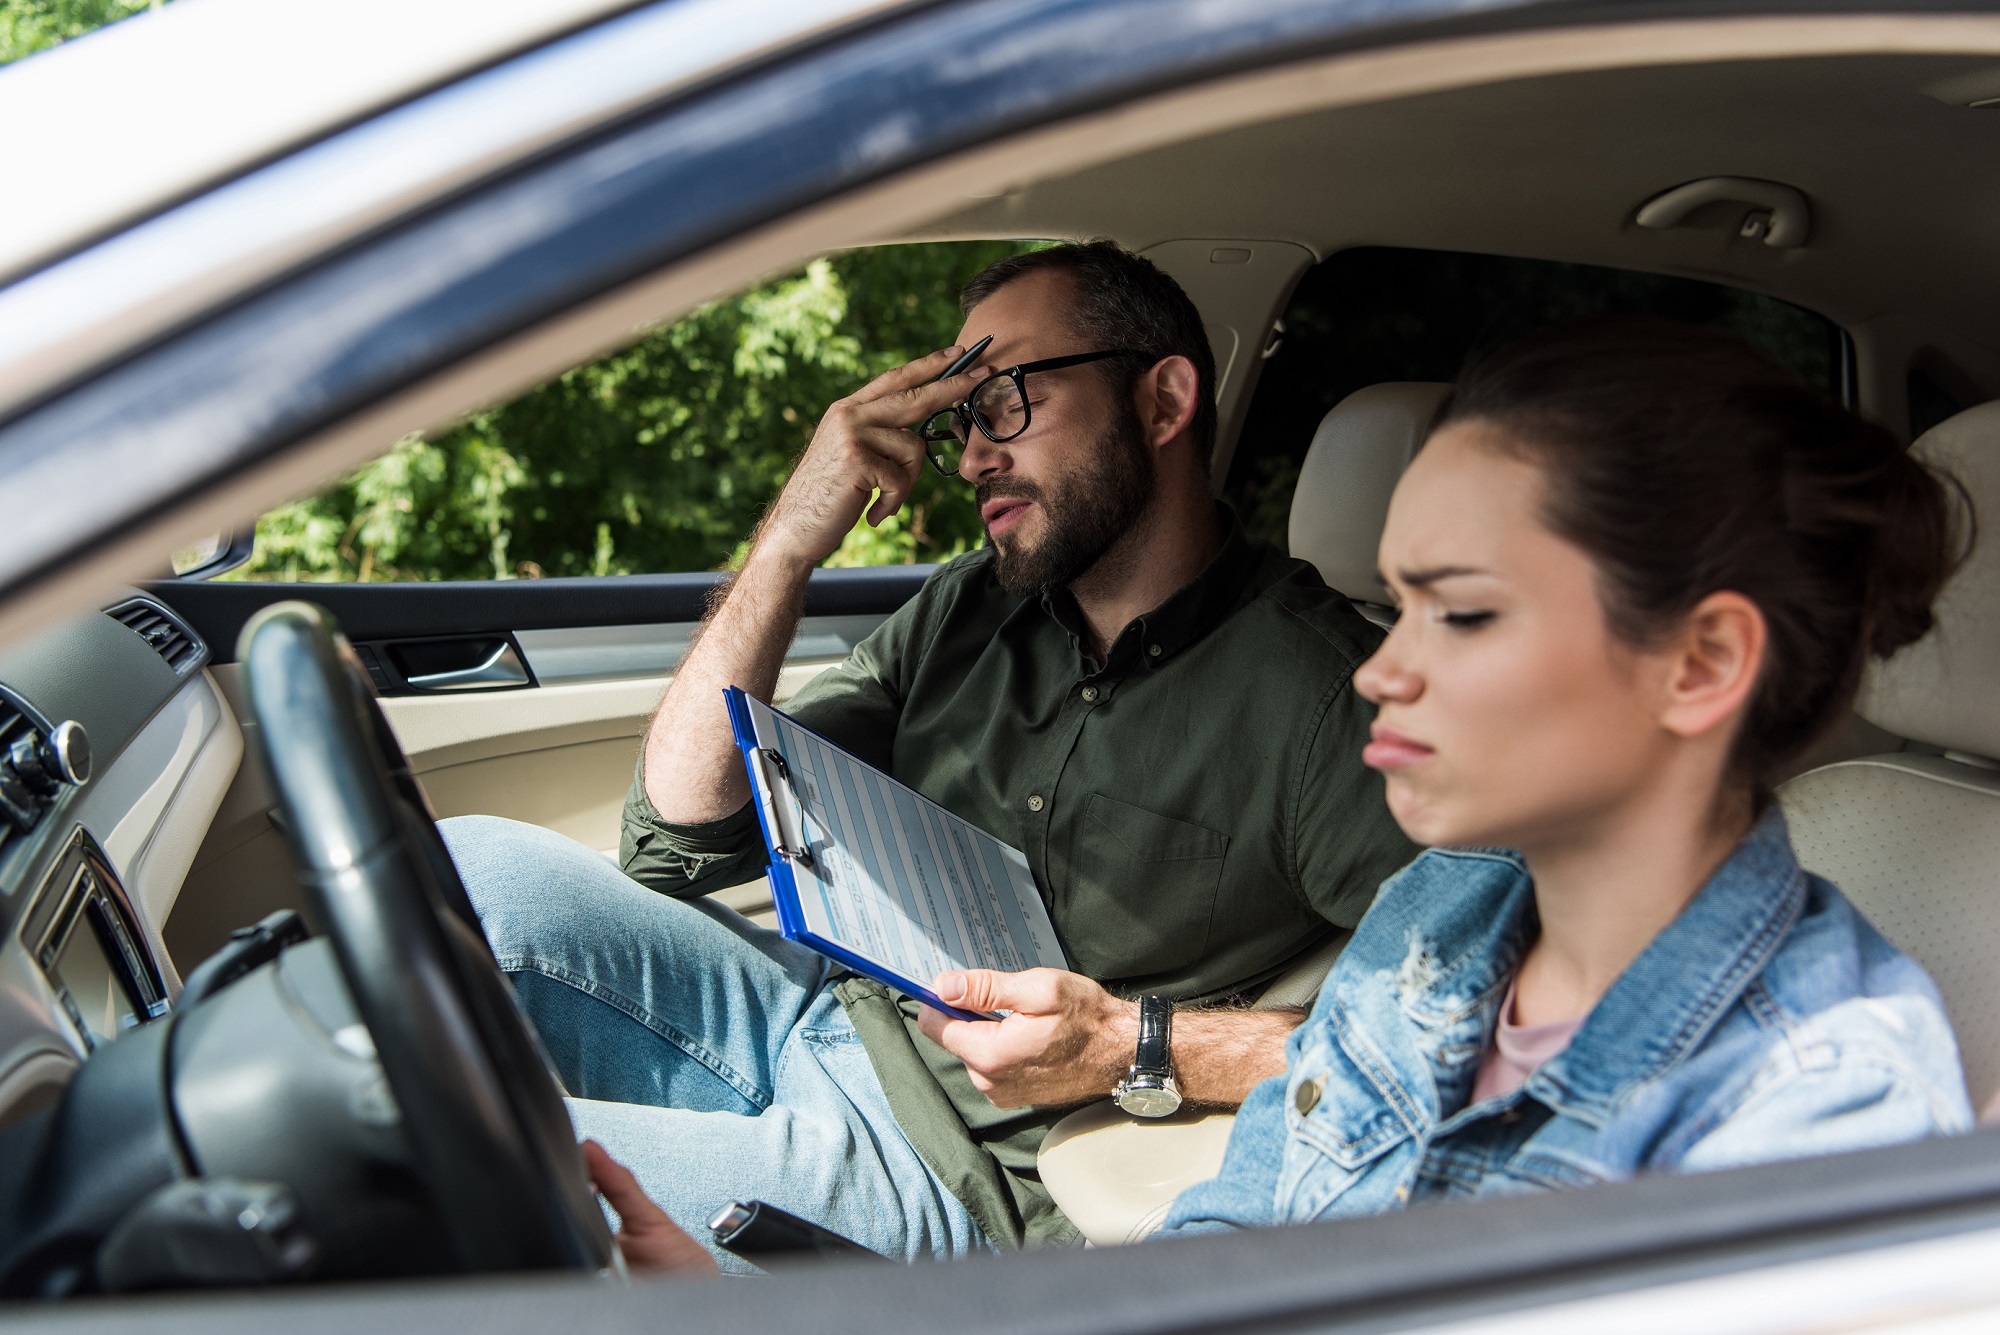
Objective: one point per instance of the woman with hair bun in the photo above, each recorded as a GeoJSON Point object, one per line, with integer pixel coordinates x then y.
{"type": "Point", "coordinates": [1640, 571]}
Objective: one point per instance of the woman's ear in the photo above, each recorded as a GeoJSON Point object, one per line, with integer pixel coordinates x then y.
{"type": "Point", "coordinates": [1713, 665]}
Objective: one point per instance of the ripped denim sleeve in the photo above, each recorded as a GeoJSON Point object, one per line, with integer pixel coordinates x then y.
{"type": "Point", "coordinates": [686, 861]}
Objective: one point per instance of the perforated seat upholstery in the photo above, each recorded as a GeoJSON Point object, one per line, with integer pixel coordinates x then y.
{"type": "Point", "coordinates": [1914, 839]}
{"type": "Point", "coordinates": [1114, 1176]}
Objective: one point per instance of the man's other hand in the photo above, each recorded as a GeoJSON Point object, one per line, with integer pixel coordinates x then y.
{"type": "Point", "coordinates": [650, 1242]}
{"type": "Point", "coordinates": [1067, 1040]}
{"type": "Point", "coordinates": [863, 446]}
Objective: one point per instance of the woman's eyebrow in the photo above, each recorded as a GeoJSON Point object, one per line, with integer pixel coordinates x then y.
{"type": "Point", "coordinates": [1418, 579]}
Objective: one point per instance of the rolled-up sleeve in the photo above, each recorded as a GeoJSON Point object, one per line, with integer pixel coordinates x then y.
{"type": "Point", "coordinates": [686, 861]}
{"type": "Point", "coordinates": [855, 704]}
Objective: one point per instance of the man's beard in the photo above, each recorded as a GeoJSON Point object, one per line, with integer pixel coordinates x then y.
{"type": "Point", "coordinates": [1084, 514]}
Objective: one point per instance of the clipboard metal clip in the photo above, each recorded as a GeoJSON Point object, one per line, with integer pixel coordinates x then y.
{"type": "Point", "coordinates": [803, 856]}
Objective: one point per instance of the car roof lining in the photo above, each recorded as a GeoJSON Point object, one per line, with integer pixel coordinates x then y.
{"type": "Point", "coordinates": [1554, 167]}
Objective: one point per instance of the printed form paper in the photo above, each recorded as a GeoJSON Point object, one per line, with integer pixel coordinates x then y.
{"type": "Point", "coordinates": [895, 878]}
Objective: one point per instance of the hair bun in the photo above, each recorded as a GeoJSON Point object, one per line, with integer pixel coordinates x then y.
{"type": "Point", "coordinates": [1685, 463]}
{"type": "Point", "coordinates": [1924, 512]}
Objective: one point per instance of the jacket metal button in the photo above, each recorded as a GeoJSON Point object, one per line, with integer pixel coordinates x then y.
{"type": "Point", "coordinates": [1090, 695]}
{"type": "Point", "coordinates": [1307, 1097]}
{"type": "Point", "coordinates": [1035, 802]}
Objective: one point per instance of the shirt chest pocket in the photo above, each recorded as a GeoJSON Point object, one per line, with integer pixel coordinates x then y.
{"type": "Point", "coordinates": [1141, 891]}
{"type": "Point", "coordinates": [1339, 1129]}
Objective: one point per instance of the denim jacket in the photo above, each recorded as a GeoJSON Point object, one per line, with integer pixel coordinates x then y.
{"type": "Point", "coordinates": [1770, 1020]}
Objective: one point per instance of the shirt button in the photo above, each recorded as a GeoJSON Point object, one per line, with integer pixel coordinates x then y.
{"type": "Point", "coordinates": [1035, 802]}
{"type": "Point", "coordinates": [1403, 1195]}
{"type": "Point", "coordinates": [1153, 650]}
{"type": "Point", "coordinates": [1090, 695]}
{"type": "Point", "coordinates": [1308, 1094]}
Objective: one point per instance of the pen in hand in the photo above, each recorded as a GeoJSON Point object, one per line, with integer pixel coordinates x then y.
{"type": "Point", "coordinates": [964, 363]}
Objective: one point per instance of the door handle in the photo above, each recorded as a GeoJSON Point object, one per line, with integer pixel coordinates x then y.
{"type": "Point", "coordinates": [502, 667]}
{"type": "Point", "coordinates": [490, 662]}
{"type": "Point", "coordinates": [1782, 222]}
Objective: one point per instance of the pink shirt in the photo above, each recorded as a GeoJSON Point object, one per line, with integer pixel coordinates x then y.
{"type": "Point", "coordinates": [1518, 1050]}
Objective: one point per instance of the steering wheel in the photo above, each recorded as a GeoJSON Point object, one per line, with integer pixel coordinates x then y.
{"type": "Point", "coordinates": [482, 1112]}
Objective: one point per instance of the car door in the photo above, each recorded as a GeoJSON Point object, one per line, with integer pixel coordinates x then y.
{"type": "Point", "coordinates": [517, 698]}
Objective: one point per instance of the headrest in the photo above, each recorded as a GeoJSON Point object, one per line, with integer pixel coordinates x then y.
{"type": "Point", "coordinates": [1358, 453]}
{"type": "Point", "coordinates": [1940, 689]}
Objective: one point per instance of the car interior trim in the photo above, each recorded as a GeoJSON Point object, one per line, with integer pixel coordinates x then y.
{"type": "Point", "coordinates": [559, 756]}
{"type": "Point", "coordinates": [152, 807]}
{"type": "Point", "coordinates": [60, 320]}
{"type": "Point", "coordinates": [510, 255]}
{"type": "Point", "coordinates": [600, 653]}
{"type": "Point", "coordinates": [156, 107]}
{"type": "Point", "coordinates": [82, 904]}
{"type": "Point", "coordinates": [96, 671]}
{"type": "Point", "coordinates": [32, 1077]}
{"type": "Point", "coordinates": [1827, 1293]}
{"type": "Point", "coordinates": [250, 483]}
{"type": "Point", "coordinates": [218, 612]}
{"type": "Point", "coordinates": [1395, 1271]}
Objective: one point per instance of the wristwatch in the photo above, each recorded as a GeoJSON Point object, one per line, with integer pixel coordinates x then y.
{"type": "Point", "coordinates": [1149, 1088]}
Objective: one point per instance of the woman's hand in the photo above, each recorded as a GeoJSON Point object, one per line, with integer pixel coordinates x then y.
{"type": "Point", "coordinates": [650, 1242]}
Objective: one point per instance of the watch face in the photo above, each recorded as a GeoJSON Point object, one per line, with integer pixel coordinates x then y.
{"type": "Point", "coordinates": [1149, 1100]}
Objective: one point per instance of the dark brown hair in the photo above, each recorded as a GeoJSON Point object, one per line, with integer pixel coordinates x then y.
{"type": "Point", "coordinates": [1685, 463]}
{"type": "Point", "coordinates": [1121, 300]}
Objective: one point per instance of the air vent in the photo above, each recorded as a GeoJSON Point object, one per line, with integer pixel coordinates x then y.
{"type": "Point", "coordinates": [13, 723]}
{"type": "Point", "coordinates": [169, 636]}
{"type": "Point", "coordinates": [21, 807]}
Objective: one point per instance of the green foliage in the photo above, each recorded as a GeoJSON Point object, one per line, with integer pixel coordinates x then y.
{"type": "Point", "coordinates": [656, 458]}
{"type": "Point", "coordinates": [28, 26]}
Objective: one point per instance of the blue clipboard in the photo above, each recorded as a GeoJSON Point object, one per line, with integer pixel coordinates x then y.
{"type": "Point", "coordinates": [783, 858]}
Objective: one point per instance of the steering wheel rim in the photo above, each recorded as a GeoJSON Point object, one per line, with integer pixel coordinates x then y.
{"type": "Point", "coordinates": [483, 1113]}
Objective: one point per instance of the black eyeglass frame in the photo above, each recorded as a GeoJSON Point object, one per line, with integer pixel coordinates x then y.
{"type": "Point", "coordinates": [970, 421]}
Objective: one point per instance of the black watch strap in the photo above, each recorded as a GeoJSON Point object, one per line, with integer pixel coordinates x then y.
{"type": "Point", "coordinates": [1156, 1022]}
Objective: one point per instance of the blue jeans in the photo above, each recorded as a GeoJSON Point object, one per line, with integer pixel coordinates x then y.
{"type": "Point", "coordinates": [708, 1055]}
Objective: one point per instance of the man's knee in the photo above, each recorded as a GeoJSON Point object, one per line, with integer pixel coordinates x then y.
{"type": "Point", "coordinates": [517, 875]}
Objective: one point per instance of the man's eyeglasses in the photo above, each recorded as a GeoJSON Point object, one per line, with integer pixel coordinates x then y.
{"type": "Point", "coordinates": [997, 409]}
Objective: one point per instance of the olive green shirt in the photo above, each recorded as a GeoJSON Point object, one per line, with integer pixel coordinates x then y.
{"type": "Point", "coordinates": [1194, 809]}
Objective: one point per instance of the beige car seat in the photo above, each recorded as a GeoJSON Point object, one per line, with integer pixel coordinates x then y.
{"type": "Point", "coordinates": [1114, 1176]}
{"type": "Point", "coordinates": [1342, 501]}
{"type": "Point", "coordinates": [1914, 839]}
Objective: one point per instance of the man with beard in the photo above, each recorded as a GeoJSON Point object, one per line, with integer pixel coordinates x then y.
{"type": "Point", "coordinates": [1149, 703]}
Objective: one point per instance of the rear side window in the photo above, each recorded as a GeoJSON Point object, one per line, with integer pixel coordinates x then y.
{"type": "Point", "coordinates": [1378, 313]}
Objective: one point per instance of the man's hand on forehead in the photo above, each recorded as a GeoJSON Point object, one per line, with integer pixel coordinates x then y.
{"type": "Point", "coordinates": [863, 448]}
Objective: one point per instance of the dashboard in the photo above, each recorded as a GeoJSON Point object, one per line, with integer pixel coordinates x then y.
{"type": "Point", "coordinates": [116, 749]}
